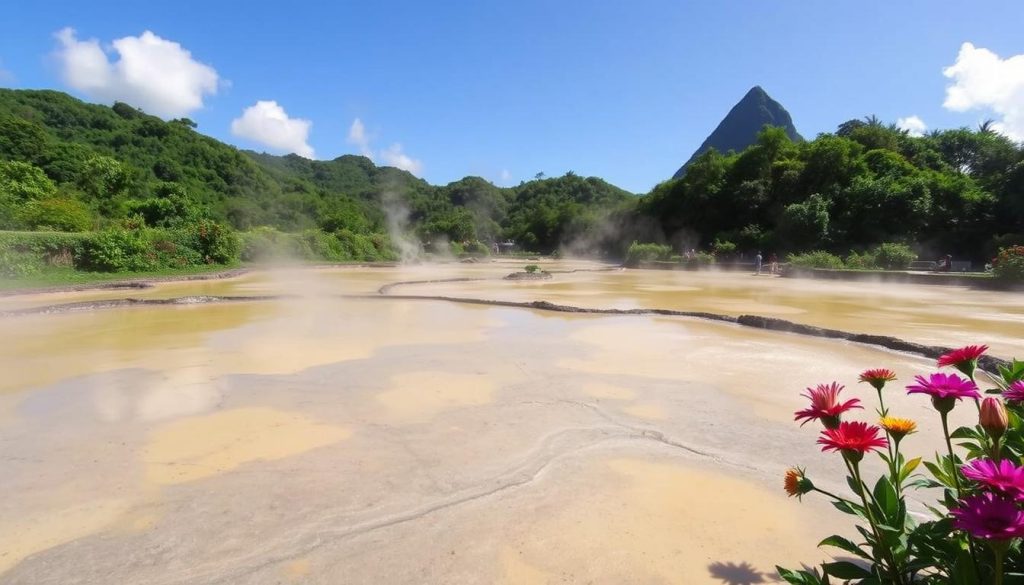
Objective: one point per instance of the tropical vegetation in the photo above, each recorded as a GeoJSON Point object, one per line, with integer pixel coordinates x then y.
{"type": "Point", "coordinates": [868, 194]}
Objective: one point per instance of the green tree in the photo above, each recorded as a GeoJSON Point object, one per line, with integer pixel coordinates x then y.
{"type": "Point", "coordinates": [803, 226]}
{"type": "Point", "coordinates": [20, 184]}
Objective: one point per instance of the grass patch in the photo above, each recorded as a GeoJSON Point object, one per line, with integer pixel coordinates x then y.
{"type": "Point", "coordinates": [61, 276]}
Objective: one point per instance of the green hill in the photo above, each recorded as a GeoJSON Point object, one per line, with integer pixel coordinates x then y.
{"type": "Point", "coordinates": [116, 159]}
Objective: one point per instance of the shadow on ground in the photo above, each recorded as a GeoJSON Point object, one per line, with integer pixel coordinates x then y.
{"type": "Point", "coordinates": [739, 574]}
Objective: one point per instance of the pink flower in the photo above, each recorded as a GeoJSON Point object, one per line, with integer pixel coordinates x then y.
{"type": "Point", "coordinates": [853, 439]}
{"type": "Point", "coordinates": [993, 417]}
{"type": "Point", "coordinates": [989, 516]}
{"type": "Point", "coordinates": [1003, 477]}
{"type": "Point", "coordinates": [971, 353]}
{"type": "Point", "coordinates": [1015, 393]}
{"type": "Point", "coordinates": [945, 389]}
{"type": "Point", "coordinates": [825, 405]}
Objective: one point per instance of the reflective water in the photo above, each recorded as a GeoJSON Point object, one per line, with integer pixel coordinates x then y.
{"type": "Point", "coordinates": [929, 314]}
{"type": "Point", "coordinates": [323, 439]}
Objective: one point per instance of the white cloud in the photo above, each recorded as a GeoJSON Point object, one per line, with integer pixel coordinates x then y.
{"type": "Point", "coordinates": [505, 176]}
{"type": "Point", "coordinates": [357, 136]}
{"type": "Point", "coordinates": [913, 125]}
{"type": "Point", "coordinates": [983, 80]}
{"type": "Point", "coordinates": [151, 73]}
{"type": "Point", "coordinates": [267, 123]}
{"type": "Point", "coordinates": [393, 156]}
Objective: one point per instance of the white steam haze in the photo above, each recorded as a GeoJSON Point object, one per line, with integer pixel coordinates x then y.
{"type": "Point", "coordinates": [152, 73]}
{"type": "Point", "coordinates": [392, 156]}
{"type": "Point", "coordinates": [983, 80]}
{"type": "Point", "coordinates": [396, 213]}
{"type": "Point", "coordinates": [267, 123]}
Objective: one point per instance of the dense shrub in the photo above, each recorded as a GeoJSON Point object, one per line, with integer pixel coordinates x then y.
{"type": "Point", "coordinates": [698, 259]}
{"type": "Point", "coordinates": [117, 250]}
{"type": "Point", "coordinates": [59, 213]}
{"type": "Point", "coordinates": [865, 261]}
{"type": "Point", "coordinates": [723, 249]}
{"type": "Point", "coordinates": [26, 253]}
{"type": "Point", "coordinates": [477, 248]}
{"type": "Point", "coordinates": [817, 259]}
{"type": "Point", "coordinates": [15, 264]}
{"type": "Point", "coordinates": [893, 256]}
{"type": "Point", "coordinates": [638, 253]}
{"type": "Point", "coordinates": [216, 243]}
{"type": "Point", "coordinates": [266, 243]}
{"type": "Point", "coordinates": [455, 249]}
{"type": "Point", "coordinates": [1009, 264]}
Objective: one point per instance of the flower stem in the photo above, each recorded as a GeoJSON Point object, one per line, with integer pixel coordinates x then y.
{"type": "Point", "coordinates": [956, 482]}
{"type": "Point", "coordinates": [949, 448]}
{"type": "Point", "coordinates": [833, 496]}
{"type": "Point", "coordinates": [999, 566]}
{"type": "Point", "coordinates": [862, 489]}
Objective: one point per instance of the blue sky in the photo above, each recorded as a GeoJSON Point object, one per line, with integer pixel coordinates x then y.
{"type": "Point", "coordinates": [621, 90]}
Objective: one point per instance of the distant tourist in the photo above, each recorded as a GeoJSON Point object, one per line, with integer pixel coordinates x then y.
{"type": "Point", "coordinates": [757, 262]}
{"type": "Point", "coordinates": [945, 264]}
{"type": "Point", "coordinates": [773, 264]}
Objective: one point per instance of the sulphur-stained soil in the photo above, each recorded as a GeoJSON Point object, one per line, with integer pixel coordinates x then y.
{"type": "Point", "coordinates": [321, 432]}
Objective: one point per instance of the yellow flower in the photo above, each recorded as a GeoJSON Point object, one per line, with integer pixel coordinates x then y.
{"type": "Point", "coordinates": [898, 427]}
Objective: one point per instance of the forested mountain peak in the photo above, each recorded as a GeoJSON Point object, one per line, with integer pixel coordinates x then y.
{"type": "Point", "coordinates": [740, 127]}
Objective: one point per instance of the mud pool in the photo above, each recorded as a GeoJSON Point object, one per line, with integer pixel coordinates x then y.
{"type": "Point", "coordinates": [334, 436]}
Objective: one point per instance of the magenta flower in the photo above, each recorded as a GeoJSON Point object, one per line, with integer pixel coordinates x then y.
{"type": "Point", "coordinates": [945, 389]}
{"type": "Point", "coordinates": [1003, 477]}
{"type": "Point", "coordinates": [825, 405]}
{"type": "Point", "coordinates": [989, 516]}
{"type": "Point", "coordinates": [1015, 393]}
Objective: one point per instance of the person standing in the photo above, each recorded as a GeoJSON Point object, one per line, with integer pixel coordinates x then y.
{"type": "Point", "coordinates": [773, 264]}
{"type": "Point", "coordinates": [757, 262]}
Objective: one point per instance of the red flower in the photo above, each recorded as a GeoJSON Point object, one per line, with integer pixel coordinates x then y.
{"type": "Point", "coordinates": [825, 405]}
{"type": "Point", "coordinates": [853, 439]}
{"type": "Point", "coordinates": [964, 359]}
{"type": "Point", "coordinates": [877, 377]}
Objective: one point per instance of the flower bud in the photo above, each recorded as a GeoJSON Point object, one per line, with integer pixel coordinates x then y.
{"type": "Point", "coordinates": [796, 483]}
{"type": "Point", "coordinates": [993, 417]}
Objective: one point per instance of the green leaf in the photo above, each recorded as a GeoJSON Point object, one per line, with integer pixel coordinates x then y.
{"type": "Point", "coordinates": [848, 508]}
{"type": "Point", "coordinates": [844, 544]}
{"type": "Point", "coordinates": [885, 497]}
{"type": "Point", "coordinates": [846, 570]}
{"type": "Point", "coordinates": [963, 571]}
{"type": "Point", "coordinates": [799, 577]}
{"type": "Point", "coordinates": [909, 468]}
{"type": "Point", "coordinates": [964, 433]}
